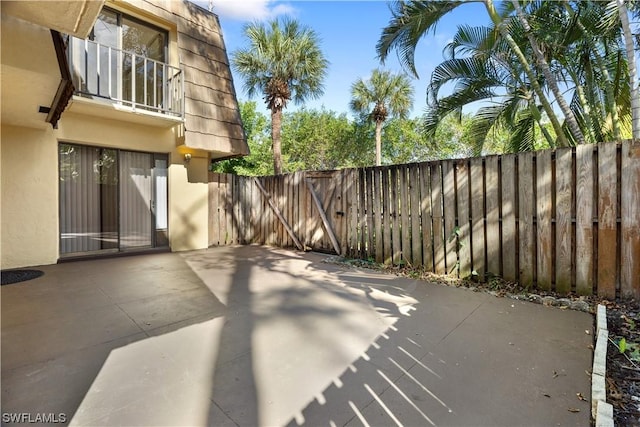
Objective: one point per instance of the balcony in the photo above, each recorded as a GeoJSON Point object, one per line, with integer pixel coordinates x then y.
{"type": "Point", "coordinates": [125, 78]}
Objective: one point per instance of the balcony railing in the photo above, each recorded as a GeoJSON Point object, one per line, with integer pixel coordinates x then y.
{"type": "Point", "coordinates": [126, 78]}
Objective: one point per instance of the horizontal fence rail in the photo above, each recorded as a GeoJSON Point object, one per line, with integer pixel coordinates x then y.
{"type": "Point", "coordinates": [566, 220]}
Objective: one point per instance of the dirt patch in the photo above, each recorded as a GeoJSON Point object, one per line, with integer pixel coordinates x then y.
{"type": "Point", "coordinates": [623, 362]}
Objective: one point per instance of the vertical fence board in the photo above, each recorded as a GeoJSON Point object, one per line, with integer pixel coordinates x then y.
{"type": "Point", "coordinates": [414, 201]}
{"type": "Point", "coordinates": [214, 221]}
{"type": "Point", "coordinates": [377, 215]}
{"type": "Point", "coordinates": [287, 204]}
{"type": "Point", "coordinates": [438, 222]}
{"type": "Point", "coordinates": [266, 209]}
{"type": "Point", "coordinates": [362, 214]}
{"type": "Point", "coordinates": [334, 206]}
{"type": "Point", "coordinates": [238, 209]}
{"type": "Point", "coordinates": [493, 256]}
{"type": "Point", "coordinates": [298, 208]}
{"type": "Point", "coordinates": [353, 212]}
{"type": "Point", "coordinates": [449, 213]}
{"type": "Point", "coordinates": [544, 217]}
{"type": "Point", "coordinates": [274, 223]}
{"type": "Point", "coordinates": [226, 214]}
{"type": "Point", "coordinates": [344, 209]}
{"type": "Point", "coordinates": [386, 219]}
{"type": "Point", "coordinates": [369, 198]}
{"type": "Point", "coordinates": [231, 214]}
{"type": "Point", "coordinates": [477, 217]}
{"type": "Point", "coordinates": [216, 208]}
{"type": "Point", "coordinates": [266, 212]}
{"type": "Point", "coordinates": [395, 228]}
{"type": "Point", "coordinates": [584, 219]}
{"type": "Point", "coordinates": [526, 212]}
{"type": "Point", "coordinates": [508, 211]}
{"type": "Point", "coordinates": [219, 209]}
{"type": "Point", "coordinates": [245, 227]}
{"type": "Point", "coordinates": [222, 210]}
{"type": "Point", "coordinates": [247, 211]}
{"type": "Point", "coordinates": [563, 189]}
{"type": "Point", "coordinates": [298, 203]}
{"type": "Point", "coordinates": [607, 215]}
{"type": "Point", "coordinates": [630, 221]}
{"type": "Point", "coordinates": [247, 202]}
{"type": "Point", "coordinates": [425, 215]}
{"type": "Point", "coordinates": [405, 214]}
{"type": "Point", "coordinates": [323, 188]}
{"type": "Point", "coordinates": [281, 190]}
{"type": "Point", "coordinates": [464, 237]}
{"type": "Point", "coordinates": [255, 212]}
{"type": "Point", "coordinates": [258, 215]}
{"type": "Point", "coordinates": [261, 219]}
{"type": "Point", "coordinates": [266, 182]}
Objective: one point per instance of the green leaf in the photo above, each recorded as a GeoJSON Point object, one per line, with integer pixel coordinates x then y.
{"type": "Point", "coordinates": [622, 345]}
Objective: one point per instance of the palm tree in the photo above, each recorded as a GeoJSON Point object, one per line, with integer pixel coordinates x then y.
{"type": "Point", "coordinates": [482, 67]}
{"type": "Point", "coordinates": [631, 60]}
{"type": "Point", "coordinates": [384, 95]}
{"type": "Point", "coordinates": [411, 20]}
{"type": "Point", "coordinates": [542, 63]}
{"type": "Point", "coordinates": [573, 49]}
{"type": "Point", "coordinates": [283, 62]}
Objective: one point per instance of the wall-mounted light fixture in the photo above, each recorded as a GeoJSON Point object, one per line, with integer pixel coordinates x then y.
{"type": "Point", "coordinates": [187, 157]}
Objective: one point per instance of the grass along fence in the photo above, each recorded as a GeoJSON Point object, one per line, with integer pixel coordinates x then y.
{"type": "Point", "coordinates": [564, 220]}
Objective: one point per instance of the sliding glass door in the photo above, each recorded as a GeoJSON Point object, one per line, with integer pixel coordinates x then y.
{"type": "Point", "coordinates": [135, 200]}
{"type": "Point", "coordinates": [111, 200]}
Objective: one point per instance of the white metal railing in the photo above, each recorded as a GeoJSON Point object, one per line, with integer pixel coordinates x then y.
{"type": "Point", "coordinates": [126, 77]}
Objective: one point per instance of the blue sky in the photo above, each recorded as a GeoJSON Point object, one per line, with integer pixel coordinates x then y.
{"type": "Point", "coordinates": [349, 31]}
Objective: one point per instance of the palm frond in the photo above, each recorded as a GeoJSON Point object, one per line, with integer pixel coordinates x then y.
{"type": "Point", "coordinates": [410, 21]}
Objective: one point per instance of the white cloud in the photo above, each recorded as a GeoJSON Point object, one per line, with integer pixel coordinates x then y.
{"type": "Point", "coordinates": [250, 10]}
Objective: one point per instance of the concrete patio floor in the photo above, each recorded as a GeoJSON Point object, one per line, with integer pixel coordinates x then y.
{"type": "Point", "coordinates": [261, 336]}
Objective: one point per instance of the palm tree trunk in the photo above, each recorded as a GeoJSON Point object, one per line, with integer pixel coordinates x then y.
{"type": "Point", "coordinates": [276, 130]}
{"type": "Point", "coordinates": [378, 143]}
{"type": "Point", "coordinates": [631, 60]}
{"type": "Point", "coordinates": [569, 117]}
{"type": "Point", "coordinates": [553, 118]}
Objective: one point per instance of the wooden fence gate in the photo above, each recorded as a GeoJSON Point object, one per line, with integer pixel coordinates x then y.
{"type": "Point", "coordinates": [306, 210]}
{"type": "Point", "coordinates": [564, 220]}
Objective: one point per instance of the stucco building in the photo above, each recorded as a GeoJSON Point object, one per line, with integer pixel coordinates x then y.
{"type": "Point", "coordinates": [111, 114]}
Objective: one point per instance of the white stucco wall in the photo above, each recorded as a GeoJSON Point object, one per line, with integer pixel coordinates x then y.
{"type": "Point", "coordinates": [28, 197]}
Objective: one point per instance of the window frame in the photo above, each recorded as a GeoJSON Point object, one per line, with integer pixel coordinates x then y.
{"type": "Point", "coordinates": [119, 17]}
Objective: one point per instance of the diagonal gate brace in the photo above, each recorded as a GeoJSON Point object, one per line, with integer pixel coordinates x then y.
{"type": "Point", "coordinates": [275, 209]}
{"type": "Point", "coordinates": [325, 220]}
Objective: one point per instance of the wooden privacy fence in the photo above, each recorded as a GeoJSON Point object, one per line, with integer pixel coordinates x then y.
{"type": "Point", "coordinates": [564, 220]}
